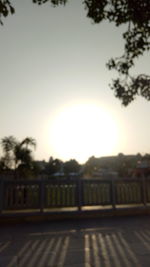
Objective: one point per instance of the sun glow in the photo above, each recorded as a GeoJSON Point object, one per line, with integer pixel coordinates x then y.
{"type": "Point", "coordinates": [82, 130]}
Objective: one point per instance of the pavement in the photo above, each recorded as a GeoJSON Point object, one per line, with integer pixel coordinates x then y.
{"type": "Point", "coordinates": [102, 242]}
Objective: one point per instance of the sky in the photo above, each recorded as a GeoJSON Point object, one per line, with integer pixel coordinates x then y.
{"type": "Point", "coordinates": [54, 85]}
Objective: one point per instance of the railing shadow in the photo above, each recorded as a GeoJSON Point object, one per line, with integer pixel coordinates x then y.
{"type": "Point", "coordinates": [78, 246]}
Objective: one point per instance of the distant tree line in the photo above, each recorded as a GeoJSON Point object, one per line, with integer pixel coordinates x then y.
{"type": "Point", "coordinates": [17, 160]}
{"type": "Point", "coordinates": [56, 167]}
{"type": "Point", "coordinates": [123, 165]}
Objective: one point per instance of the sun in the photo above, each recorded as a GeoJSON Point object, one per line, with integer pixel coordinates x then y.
{"type": "Point", "coordinates": [82, 130]}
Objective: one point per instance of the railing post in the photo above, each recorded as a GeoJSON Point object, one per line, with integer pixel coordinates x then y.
{"type": "Point", "coordinates": [113, 193]}
{"type": "Point", "coordinates": [79, 193]}
{"type": "Point", "coordinates": [143, 191]}
{"type": "Point", "coordinates": [1, 194]}
{"type": "Point", "coordinates": [42, 195]}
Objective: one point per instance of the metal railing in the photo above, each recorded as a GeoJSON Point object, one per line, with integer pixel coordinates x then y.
{"type": "Point", "coordinates": [49, 194]}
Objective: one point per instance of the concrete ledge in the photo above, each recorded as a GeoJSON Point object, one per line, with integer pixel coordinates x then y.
{"type": "Point", "coordinates": [16, 217]}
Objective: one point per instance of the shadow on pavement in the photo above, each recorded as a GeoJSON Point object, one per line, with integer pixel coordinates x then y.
{"type": "Point", "coordinates": [101, 242]}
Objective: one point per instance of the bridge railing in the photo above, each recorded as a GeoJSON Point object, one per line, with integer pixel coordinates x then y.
{"type": "Point", "coordinates": [46, 194]}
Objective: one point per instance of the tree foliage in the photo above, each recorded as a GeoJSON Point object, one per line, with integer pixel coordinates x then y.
{"type": "Point", "coordinates": [54, 2]}
{"type": "Point", "coordinates": [6, 9]}
{"type": "Point", "coordinates": [71, 166]}
{"type": "Point", "coordinates": [135, 14]}
{"type": "Point", "coordinates": [17, 155]}
{"type": "Point", "coordinates": [8, 145]}
{"type": "Point", "coordinates": [53, 166]}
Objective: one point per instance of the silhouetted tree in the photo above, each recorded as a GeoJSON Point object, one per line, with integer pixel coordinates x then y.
{"type": "Point", "coordinates": [23, 152]}
{"type": "Point", "coordinates": [91, 165]}
{"type": "Point", "coordinates": [53, 166]}
{"type": "Point", "coordinates": [17, 155]}
{"type": "Point", "coordinates": [8, 147]}
{"type": "Point", "coordinates": [2, 165]}
{"type": "Point", "coordinates": [71, 166]}
{"type": "Point", "coordinates": [28, 142]}
{"type": "Point", "coordinates": [146, 156]}
{"type": "Point", "coordinates": [135, 14]}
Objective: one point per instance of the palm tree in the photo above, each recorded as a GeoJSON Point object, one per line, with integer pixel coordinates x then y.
{"type": "Point", "coordinates": [8, 146]}
{"type": "Point", "coordinates": [2, 165]}
{"type": "Point", "coordinates": [22, 156]}
{"type": "Point", "coordinates": [17, 154]}
{"type": "Point", "coordinates": [28, 142]}
{"type": "Point", "coordinates": [8, 143]}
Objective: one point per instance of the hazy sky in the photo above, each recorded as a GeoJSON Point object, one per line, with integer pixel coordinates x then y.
{"type": "Point", "coordinates": [54, 85]}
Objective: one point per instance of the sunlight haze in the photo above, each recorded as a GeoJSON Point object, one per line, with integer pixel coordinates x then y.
{"type": "Point", "coordinates": [55, 85]}
{"type": "Point", "coordinates": [82, 130]}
